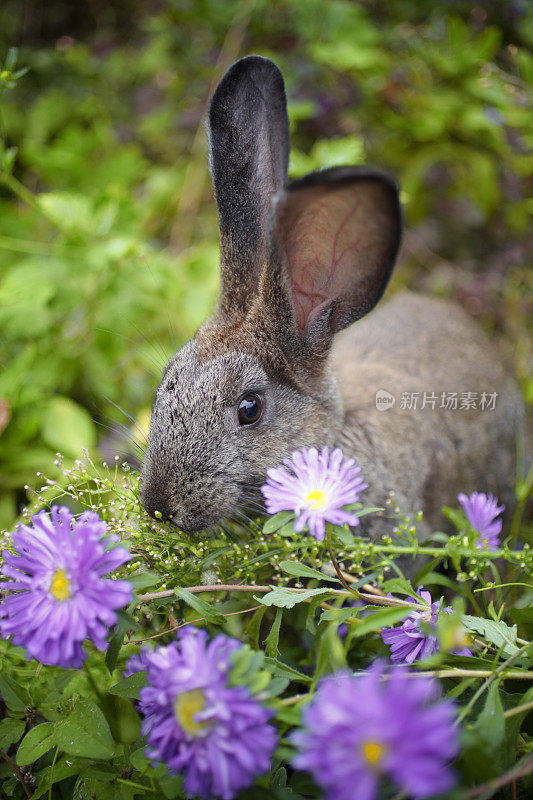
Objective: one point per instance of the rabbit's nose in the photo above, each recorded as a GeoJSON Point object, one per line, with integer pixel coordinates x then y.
{"type": "Point", "coordinates": [154, 501]}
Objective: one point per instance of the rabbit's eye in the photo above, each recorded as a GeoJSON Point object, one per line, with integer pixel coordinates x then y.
{"type": "Point", "coordinates": [249, 409]}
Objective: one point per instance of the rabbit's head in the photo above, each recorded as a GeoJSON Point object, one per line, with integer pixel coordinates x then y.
{"type": "Point", "coordinates": [298, 263]}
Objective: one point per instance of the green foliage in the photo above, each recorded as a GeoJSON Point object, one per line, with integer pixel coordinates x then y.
{"type": "Point", "coordinates": [83, 726]}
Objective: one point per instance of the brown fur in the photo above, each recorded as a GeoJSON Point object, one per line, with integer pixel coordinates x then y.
{"type": "Point", "coordinates": [292, 280]}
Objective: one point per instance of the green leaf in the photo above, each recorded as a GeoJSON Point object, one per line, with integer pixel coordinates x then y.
{"type": "Point", "coordinates": [246, 662]}
{"type": "Point", "coordinates": [400, 586]}
{"type": "Point", "coordinates": [138, 760]}
{"type": "Point", "coordinates": [36, 743]}
{"type": "Point", "coordinates": [491, 720]}
{"type": "Point", "coordinates": [276, 522]}
{"type": "Point", "coordinates": [275, 687]}
{"type": "Point", "coordinates": [279, 779]}
{"type": "Point", "coordinates": [206, 610]}
{"type": "Point", "coordinates": [285, 598]}
{"type": "Point", "coordinates": [482, 754]}
{"type": "Point", "coordinates": [124, 623]}
{"type": "Point", "coordinates": [69, 211]}
{"type": "Point", "coordinates": [303, 571]}
{"type": "Point", "coordinates": [52, 775]}
{"type": "Point", "coordinates": [14, 695]}
{"type": "Point", "coordinates": [282, 670]}
{"type": "Point", "coordinates": [253, 627]}
{"type": "Point", "coordinates": [357, 511]}
{"type": "Point", "coordinates": [171, 786]}
{"type": "Point", "coordinates": [85, 732]}
{"type": "Point", "coordinates": [381, 619]}
{"type": "Point", "coordinates": [271, 641]}
{"type": "Point", "coordinates": [144, 580]}
{"type": "Point", "coordinates": [124, 722]}
{"type": "Point", "coordinates": [344, 535]}
{"type": "Point", "coordinates": [330, 654]}
{"type": "Point", "coordinates": [10, 731]}
{"type": "Point", "coordinates": [130, 686]}
{"type": "Point", "coordinates": [337, 615]}
{"type": "Point", "coordinates": [496, 633]}
{"type": "Point", "coordinates": [67, 427]}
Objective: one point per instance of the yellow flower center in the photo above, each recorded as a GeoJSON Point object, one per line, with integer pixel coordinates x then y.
{"type": "Point", "coordinates": [186, 706]}
{"type": "Point", "coordinates": [316, 498]}
{"type": "Point", "coordinates": [373, 752]}
{"type": "Point", "coordinates": [60, 585]}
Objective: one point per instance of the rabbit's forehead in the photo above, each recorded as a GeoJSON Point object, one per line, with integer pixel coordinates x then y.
{"type": "Point", "coordinates": [223, 377]}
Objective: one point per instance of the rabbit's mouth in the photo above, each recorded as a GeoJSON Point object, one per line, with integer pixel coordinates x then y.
{"type": "Point", "coordinates": [250, 503]}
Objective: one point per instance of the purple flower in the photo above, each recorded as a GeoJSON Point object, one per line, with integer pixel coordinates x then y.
{"type": "Point", "coordinates": [481, 511]}
{"type": "Point", "coordinates": [60, 595]}
{"type": "Point", "coordinates": [409, 641]}
{"type": "Point", "coordinates": [359, 728]}
{"type": "Point", "coordinates": [317, 491]}
{"type": "Point", "coordinates": [215, 734]}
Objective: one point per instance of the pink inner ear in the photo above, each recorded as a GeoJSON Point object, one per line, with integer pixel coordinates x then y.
{"type": "Point", "coordinates": [331, 237]}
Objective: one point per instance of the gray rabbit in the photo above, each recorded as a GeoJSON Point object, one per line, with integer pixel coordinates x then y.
{"type": "Point", "coordinates": [279, 365]}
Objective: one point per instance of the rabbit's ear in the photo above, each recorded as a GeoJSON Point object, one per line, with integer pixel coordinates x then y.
{"type": "Point", "coordinates": [334, 240]}
{"type": "Point", "coordinates": [249, 154]}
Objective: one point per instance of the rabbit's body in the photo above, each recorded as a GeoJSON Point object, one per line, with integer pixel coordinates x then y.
{"type": "Point", "coordinates": [411, 346]}
{"type": "Point", "coordinates": [276, 368]}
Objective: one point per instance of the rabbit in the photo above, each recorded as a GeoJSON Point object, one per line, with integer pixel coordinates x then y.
{"type": "Point", "coordinates": [280, 365]}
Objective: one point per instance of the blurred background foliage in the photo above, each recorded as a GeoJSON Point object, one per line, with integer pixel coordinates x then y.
{"type": "Point", "coordinates": [108, 235]}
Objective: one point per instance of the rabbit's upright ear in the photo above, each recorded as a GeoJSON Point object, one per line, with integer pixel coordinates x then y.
{"type": "Point", "coordinates": [249, 153]}
{"type": "Point", "coordinates": [334, 239]}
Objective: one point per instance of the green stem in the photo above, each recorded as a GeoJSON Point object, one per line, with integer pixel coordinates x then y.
{"type": "Point", "coordinates": [475, 604]}
{"type": "Point", "coordinates": [436, 551]}
{"type": "Point", "coordinates": [336, 566]}
{"type": "Point", "coordinates": [52, 774]}
{"type": "Point", "coordinates": [291, 701]}
{"type": "Point", "coordinates": [134, 785]}
{"type": "Point", "coordinates": [515, 674]}
{"type": "Point", "coordinates": [518, 709]}
{"type": "Point", "coordinates": [92, 681]}
{"type": "Point", "coordinates": [492, 677]}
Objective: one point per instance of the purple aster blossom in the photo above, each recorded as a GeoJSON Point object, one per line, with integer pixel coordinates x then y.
{"type": "Point", "coordinates": [481, 511]}
{"type": "Point", "coordinates": [317, 491]}
{"type": "Point", "coordinates": [359, 728]}
{"type": "Point", "coordinates": [410, 641]}
{"type": "Point", "coordinates": [60, 597]}
{"type": "Point", "coordinates": [216, 735]}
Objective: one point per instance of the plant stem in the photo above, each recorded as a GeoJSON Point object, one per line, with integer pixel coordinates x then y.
{"type": "Point", "coordinates": [291, 701]}
{"type": "Point", "coordinates": [492, 677]}
{"type": "Point", "coordinates": [17, 771]}
{"type": "Point", "coordinates": [473, 673]}
{"type": "Point", "coordinates": [127, 782]}
{"type": "Point", "coordinates": [92, 681]}
{"type": "Point", "coordinates": [211, 587]}
{"type": "Point", "coordinates": [52, 773]}
{"type": "Point", "coordinates": [512, 712]}
{"type": "Point", "coordinates": [335, 563]}
{"type": "Point", "coordinates": [376, 599]}
{"type": "Point", "coordinates": [491, 786]}
{"type": "Point", "coordinates": [191, 622]}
